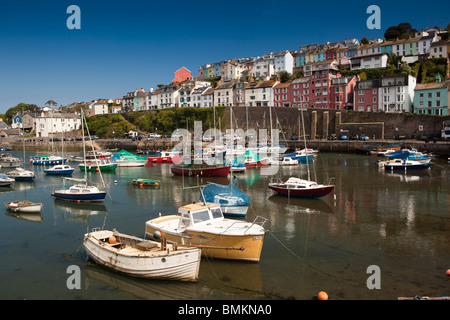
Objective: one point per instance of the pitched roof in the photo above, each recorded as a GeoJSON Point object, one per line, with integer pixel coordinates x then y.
{"type": "Point", "coordinates": [433, 85]}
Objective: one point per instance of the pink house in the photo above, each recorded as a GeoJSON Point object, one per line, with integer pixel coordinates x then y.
{"type": "Point", "coordinates": [182, 74]}
{"type": "Point", "coordinates": [366, 96]}
{"type": "Point", "coordinates": [283, 95]}
{"type": "Point", "coordinates": [342, 91]}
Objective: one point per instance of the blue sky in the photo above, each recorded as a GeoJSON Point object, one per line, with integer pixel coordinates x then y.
{"type": "Point", "coordinates": [123, 45]}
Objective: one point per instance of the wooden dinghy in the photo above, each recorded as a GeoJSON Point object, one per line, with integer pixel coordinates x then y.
{"type": "Point", "coordinates": [24, 206]}
{"type": "Point", "coordinates": [146, 182]}
{"type": "Point", "coordinates": [142, 258]}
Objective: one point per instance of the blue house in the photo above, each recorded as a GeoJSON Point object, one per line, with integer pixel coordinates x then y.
{"type": "Point", "coordinates": [432, 98]}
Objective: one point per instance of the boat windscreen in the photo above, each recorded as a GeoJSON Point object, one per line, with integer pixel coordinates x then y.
{"type": "Point", "coordinates": [216, 213]}
{"type": "Point", "coordinates": [199, 216]}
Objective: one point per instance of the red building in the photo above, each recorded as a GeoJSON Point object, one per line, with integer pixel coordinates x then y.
{"type": "Point", "coordinates": [283, 96]}
{"type": "Point", "coordinates": [366, 96]}
{"type": "Point", "coordinates": [182, 74]}
{"type": "Point", "coordinates": [342, 91]}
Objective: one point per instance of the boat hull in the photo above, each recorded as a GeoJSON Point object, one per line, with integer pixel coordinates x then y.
{"type": "Point", "coordinates": [97, 168]}
{"type": "Point", "coordinates": [157, 264]}
{"type": "Point", "coordinates": [59, 172]}
{"type": "Point", "coordinates": [251, 243]}
{"type": "Point", "coordinates": [77, 197]}
{"type": "Point", "coordinates": [302, 193]}
{"type": "Point", "coordinates": [15, 206]}
{"type": "Point", "coordinates": [146, 182]}
{"type": "Point", "coordinates": [234, 211]}
{"type": "Point", "coordinates": [419, 166]}
{"type": "Point", "coordinates": [10, 164]}
{"type": "Point", "coordinates": [159, 160]}
{"type": "Point", "coordinates": [206, 171]}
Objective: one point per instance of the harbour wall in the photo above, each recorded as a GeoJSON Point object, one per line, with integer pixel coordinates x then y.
{"type": "Point", "coordinates": [319, 125]}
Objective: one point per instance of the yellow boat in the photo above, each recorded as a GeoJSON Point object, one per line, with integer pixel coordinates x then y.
{"type": "Point", "coordinates": [203, 225]}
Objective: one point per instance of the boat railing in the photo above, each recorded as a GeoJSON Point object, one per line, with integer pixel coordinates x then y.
{"type": "Point", "coordinates": [331, 180]}
{"type": "Point", "coordinates": [259, 220]}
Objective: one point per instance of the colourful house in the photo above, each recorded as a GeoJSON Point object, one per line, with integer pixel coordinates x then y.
{"type": "Point", "coordinates": [182, 74]}
{"type": "Point", "coordinates": [432, 98]}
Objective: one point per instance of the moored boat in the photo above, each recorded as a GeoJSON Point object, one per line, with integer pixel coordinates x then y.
{"type": "Point", "coordinates": [164, 157]}
{"type": "Point", "coordinates": [202, 170]}
{"type": "Point", "coordinates": [146, 182]}
{"type": "Point", "coordinates": [296, 187]}
{"type": "Point", "coordinates": [80, 193]}
{"type": "Point", "coordinates": [47, 160]}
{"type": "Point", "coordinates": [24, 206]}
{"type": "Point", "coordinates": [203, 224]}
{"type": "Point", "coordinates": [59, 169]}
{"type": "Point", "coordinates": [99, 165]}
{"type": "Point", "coordinates": [8, 161]}
{"type": "Point", "coordinates": [142, 258]}
{"type": "Point", "coordinates": [20, 174]}
{"type": "Point", "coordinates": [5, 181]}
{"type": "Point", "coordinates": [232, 200]}
{"type": "Point", "coordinates": [405, 164]}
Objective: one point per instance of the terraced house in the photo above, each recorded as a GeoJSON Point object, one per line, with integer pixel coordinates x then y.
{"type": "Point", "coordinates": [432, 98]}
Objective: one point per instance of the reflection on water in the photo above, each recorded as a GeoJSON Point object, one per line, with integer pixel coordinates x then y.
{"type": "Point", "coordinates": [397, 221]}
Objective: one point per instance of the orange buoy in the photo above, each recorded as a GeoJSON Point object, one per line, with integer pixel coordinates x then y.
{"type": "Point", "coordinates": [322, 295]}
{"type": "Point", "coordinates": [112, 240]}
{"type": "Point", "coordinates": [448, 272]}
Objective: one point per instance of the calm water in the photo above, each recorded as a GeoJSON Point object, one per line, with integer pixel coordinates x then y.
{"type": "Point", "coordinates": [399, 222]}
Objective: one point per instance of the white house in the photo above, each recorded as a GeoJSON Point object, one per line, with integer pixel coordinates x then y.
{"type": "Point", "coordinates": [207, 98]}
{"type": "Point", "coordinates": [167, 97]}
{"type": "Point", "coordinates": [283, 61]}
{"type": "Point", "coordinates": [371, 61]}
{"type": "Point", "coordinates": [263, 69]}
{"type": "Point", "coordinates": [56, 123]}
{"type": "Point", "coordinates": [100, 106]}
{"type": "Point", "coordinates": [396, 93]}
{"type": "Point", "coordinates": [223, 94]}
{"type": "Point", "coordinates": [259, 94]}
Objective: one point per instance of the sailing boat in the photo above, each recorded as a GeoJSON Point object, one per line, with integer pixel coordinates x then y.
{"type": "Point", "coordinates": [81, 192]}
{"type": "Point", "coordinates": [297, 187]}
{"type": "Point", "coordinates": [231, 199]}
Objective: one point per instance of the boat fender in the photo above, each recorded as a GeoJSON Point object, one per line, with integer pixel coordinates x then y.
{"type": "Point", "coordinates": [157, 234]}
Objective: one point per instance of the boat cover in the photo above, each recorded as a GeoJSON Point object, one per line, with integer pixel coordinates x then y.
{"type": "Point", "coordinates": [213, 189]}
{"type": "Point", "coordinates": [125, 155]}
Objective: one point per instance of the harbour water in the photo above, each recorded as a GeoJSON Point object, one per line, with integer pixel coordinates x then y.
{"type": "Point", "coordinates": [399, 222]}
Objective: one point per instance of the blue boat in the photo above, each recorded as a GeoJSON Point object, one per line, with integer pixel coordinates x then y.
{"type": "Point", "coordinates": [80, 193]}
{"type": "Point", "coordinates": [60, 169]}
{"type": "Point", "coordinates": [231, 199]}
{"type": "Point", "coordinates": [47, 160]}
{"type": "Point", "coordinates": [300, 156]}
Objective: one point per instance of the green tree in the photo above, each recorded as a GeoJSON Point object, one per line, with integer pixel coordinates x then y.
{"type": "Point", "coordinates": [364, 40]}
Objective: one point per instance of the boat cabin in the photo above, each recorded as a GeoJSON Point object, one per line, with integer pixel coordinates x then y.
{"type": "Point", "coordinates": [296, 183]}
{"type": "Point", "coordinates": [195, 213]}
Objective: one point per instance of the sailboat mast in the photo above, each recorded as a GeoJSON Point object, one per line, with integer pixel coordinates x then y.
{"type": "Point", "coordinates": [84, 146]}
{"type": "Point", "coordinates": [304, 140]}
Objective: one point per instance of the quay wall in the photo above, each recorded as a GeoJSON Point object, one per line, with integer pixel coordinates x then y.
{"type": "Point", "coordinates": [319, 125]}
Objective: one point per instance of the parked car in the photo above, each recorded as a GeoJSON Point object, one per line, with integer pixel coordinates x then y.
{"type": "Point", "coordinates": [332, 137]}
{"type": "Point", "coordinates": [343, 137]}
{"type": "Point", "coordinates": [363, 137]}
{"type": "Point", "coordinates": [152, 136]}
{"type": "Point", "coordinates": [294, 137]}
